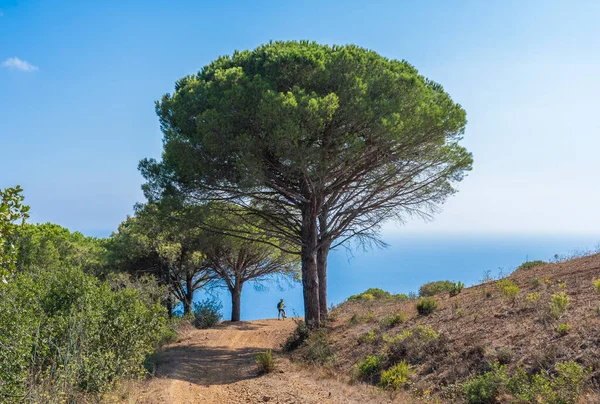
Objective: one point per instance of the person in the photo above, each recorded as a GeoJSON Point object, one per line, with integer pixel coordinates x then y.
{"type": "Point", "coordinates": [281, 310]}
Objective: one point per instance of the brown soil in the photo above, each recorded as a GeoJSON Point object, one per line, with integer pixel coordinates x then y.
{"type": "Point", "coordinates": [217, 366]}
{"type": "Point", "coordinates": [479, 322]}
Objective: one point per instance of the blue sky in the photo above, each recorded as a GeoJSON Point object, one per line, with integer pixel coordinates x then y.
{"type": "Point", "coordinates": [78, 81]}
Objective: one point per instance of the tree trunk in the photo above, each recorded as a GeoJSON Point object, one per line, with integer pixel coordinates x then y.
{"type": "Point", "coordinates": [322, 255]}
{"type": "Point", "coordinates": [236, 301]}
{"type": "Point", "coordinates": [310, 280]}
{"type": "Point", "coordinates": [170, 306]}
{"type": "Point", "coordinates": [189, 295]}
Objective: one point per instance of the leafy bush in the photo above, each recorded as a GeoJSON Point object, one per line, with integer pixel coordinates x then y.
{"type": "Point", "coordinates": [396, 377]}
{"type": "Point", "coordinates": [527, 265]}
{"type": "Point", "coordinates": [265, 362]}
{"type": "Point", "coordinates": [508, 289]}
{"type": "Point", "coordinates": [426, 305]}
{"type": "Point", "coordinates": [562, 329]}
{"type": "Point", "coordinates": [413, 345]}
{"type": "Point", "coordinates": [370, 365]}
{"type": "Point", "coordinates": [318, 348]}
{"type": "Point", "coordinates": [457, 288]}
{"type": "Point", "coordinates": [534, 297]}
{"type": "Point", "coordinates": [558, 304]}
{"type": "Point", "coordinates": [367, 337]}
{"type": "Point", "coordinates": [300, 335]}
{"type": "Point", "coordinates": [371, 294]}
{"type": "Point", "coordinates": [402, 297]}
{"type": "Point", "coordinates": [536, 282]}
{"type": "Point", "coordinates": [207, 313]}
{"type": "Point", "coordinates": [435, 288]}
{"type": "Point", "coordinates": [67, 326]}
{"type": "Point", "coordinates": [597, 285]}
{"type": "Point", "coordinates": [565, 386]}
{"type": "Point", "coordinates": [394, 320]}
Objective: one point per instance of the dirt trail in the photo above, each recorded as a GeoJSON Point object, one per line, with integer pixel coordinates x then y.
{"type": "Point", "coordinates": [217, 366]}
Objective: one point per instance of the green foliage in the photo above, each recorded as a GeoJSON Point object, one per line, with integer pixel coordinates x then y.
{"type": "Point", "coordinates": [300, 335]}
{"type": "Point", "coordinates": [596, 283]}
{"type": "Point", "coordinates": [562, 329]}
{"type": "Point", "coordinates": [426, 306]}
{"type": "Point", "coordinates": [265, 362]}
{"type": "Point", "coordinates": [533, 297]}
{"type": "Point", "coordinates": [396, 377]}
{"type": "Point", "coordinates": [319, 349]}
{"type": "Point", "coordinates": [527, 265]}
{"type": "Point", "coordinates": [69, 327]}
{"type": "Point", "coordinates": [558, 304]}
{"type": "Point", "coordinates": [536, 282]}
{"type": "Point", "coordinates": [402, 297]}
{"type": "Point", "coordinates": [368, 337]}
{"type": "Point", "coordinates": [413, 345]}
{"type": "Point", "coordinates": [435, 288]}
{"type": "Point", "coordinates": [370, 365]}
{"type": "Point", "coordinates": [371, 294]}
{"type": "Point", "coordinates": [457, 288]}
{"type": "Point", "coordinates": [563, 387]}
{"type": "Point", "coordinates": [13, 213]}
{"type": "Point", "coordinates": [393, 320]}
{"type": "Point", "coordinates": [207, 313]}
{"type": "Point", "coordinates": [508, 289]}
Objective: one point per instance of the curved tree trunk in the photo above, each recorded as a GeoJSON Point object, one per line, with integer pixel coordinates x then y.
{"type": "Point", "coordinates": [310, 280]}
{"type": "Point", "coordinates": [322, 256]}
{"type": "Point", "coordinates": [236, 301]}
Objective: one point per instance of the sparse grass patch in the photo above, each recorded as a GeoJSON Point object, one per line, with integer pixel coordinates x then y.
{"type": "Point", "coordinates": [393, 320]}
{"type": "Point", "coordinates": [596, 283]}
{"type": "Point", "coordinates": [426, 306]}
{"type": "Point", "coordinates": [396, 377]}
{"type": "Point", "coordinates": [562, 329]}
{"type": "Point", "coordinates": [300, 335]}
{"type": "Point", "coordinates": [367, 337]}
{"type": "Point", "coordinates": [413, 345]}
{"type": "Point", "coordinates": [504, 356]}
{"type": "Point", "coordinates": [508, 289]}
{"type": "Point", "coordinates": [434, 288]}
{"type": "Point", "coordinates": [265, 362]}
{"type": "Point", "coordinates": [319, 348]}
{"type": "Point", "coordinates": [527, 265]}
{"type": "Point", "coordinates": [558, 304]}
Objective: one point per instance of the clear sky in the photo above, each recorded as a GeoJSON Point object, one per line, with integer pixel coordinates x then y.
{"type": "Point", "coordinates": [78, 81]}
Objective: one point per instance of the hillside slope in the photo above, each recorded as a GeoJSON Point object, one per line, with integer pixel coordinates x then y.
{"type": "Point", "coordinates": [478, 327]}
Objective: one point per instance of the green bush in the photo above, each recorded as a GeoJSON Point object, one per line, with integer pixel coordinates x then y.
{"type": "Point", "coordinates": [72, 328]}
{"type": "Point", "coordinates": [300, 335]}
{"type": "Point", "coordinates": [596, 283]}
{"type": "Point", "coordinates": [207, 313]}
{"type": "Point", "coordinates": [265, 362]}
{"type": "Point", "coordinates": [396, 377]}
{"type": "Point", "coordinates": [393, 320]}
{"type": "Point", "coordinates": [558, 304]}
{"type": "Point", "coordinates": [563, 387]}
{"type": "Point", "coordinates": [426, 305]}
{"type": "Point", "coordinates": [370, 294]}
{"type": "Point", "coordinates": [457, 288]}
{"type": "Point", "coordinates": [527, 265]}
{"type": "Point", "coordinates": [414, 345]}
{"type": "Point", "coordinates": [435, 288]}
{"type": "Point", "coordinates": [370, 365]}
{"type": "Point", "coordinates": [508, 289]}
{"type": "Point", "coordinates": [319, 349]}
{"type": "Point", "coordinates": [368, 337]}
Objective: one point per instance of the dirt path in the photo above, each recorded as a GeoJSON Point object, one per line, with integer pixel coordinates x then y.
{"type": "Point", "coordinates": [217, 366]}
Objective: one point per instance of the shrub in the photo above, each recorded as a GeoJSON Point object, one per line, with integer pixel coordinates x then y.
{"type": "Point", "coordinates": [367, 337]}
{"type": "Point", "coordinates": [413, 345]}
{"type": "Point", "coordinates": [534, 297]}
{"type": "Point", "coordinates": [319, 349]}
{"type": "Point", "coordinates": [402, 297]}
{"type": "Point", "coordinates": [371, 294]}
{"type": "Point", "coordinates": [565, 386]}
{"type": "Point", "coordinates": [536, 282]}
{"type": "Point", "coordinates": [558, 304]}
{"type": "Point", "coordinates": [394, 320]}
{"type": "Point", "coordinates": [300, 335]}
{"type": "Point", "coordinates": [457, 288]}
{"type": "Point", "coordinates": [508, 289]}
{"type": "Point", "coordinates": [207, 313]}
{"type": "Point", "coordinates": [527, 265]}
{"type": "Point", "coordinates": [504, 356]}
{"type": "Point", "coordinates": [265, 362]}
{"type": "Point", "coordinates": [563, 329]}
{"type": "Point", "coordinates": [370, 365]}
{"type": "Point", "coordinates": [426, 306]}
{"type": "Point", "coordinates": [396, 377]}
{"type": "Point", "coordinates": [596, 283]}
{"type": "Point", "coordinates": [434, 288]}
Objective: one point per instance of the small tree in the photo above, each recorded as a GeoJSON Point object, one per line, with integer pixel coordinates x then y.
{"type": "Point", "coordinates": [12, 214]}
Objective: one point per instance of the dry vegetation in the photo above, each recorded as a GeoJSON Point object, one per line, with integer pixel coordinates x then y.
{"type": "Point", "coordinates": [527, 324]}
